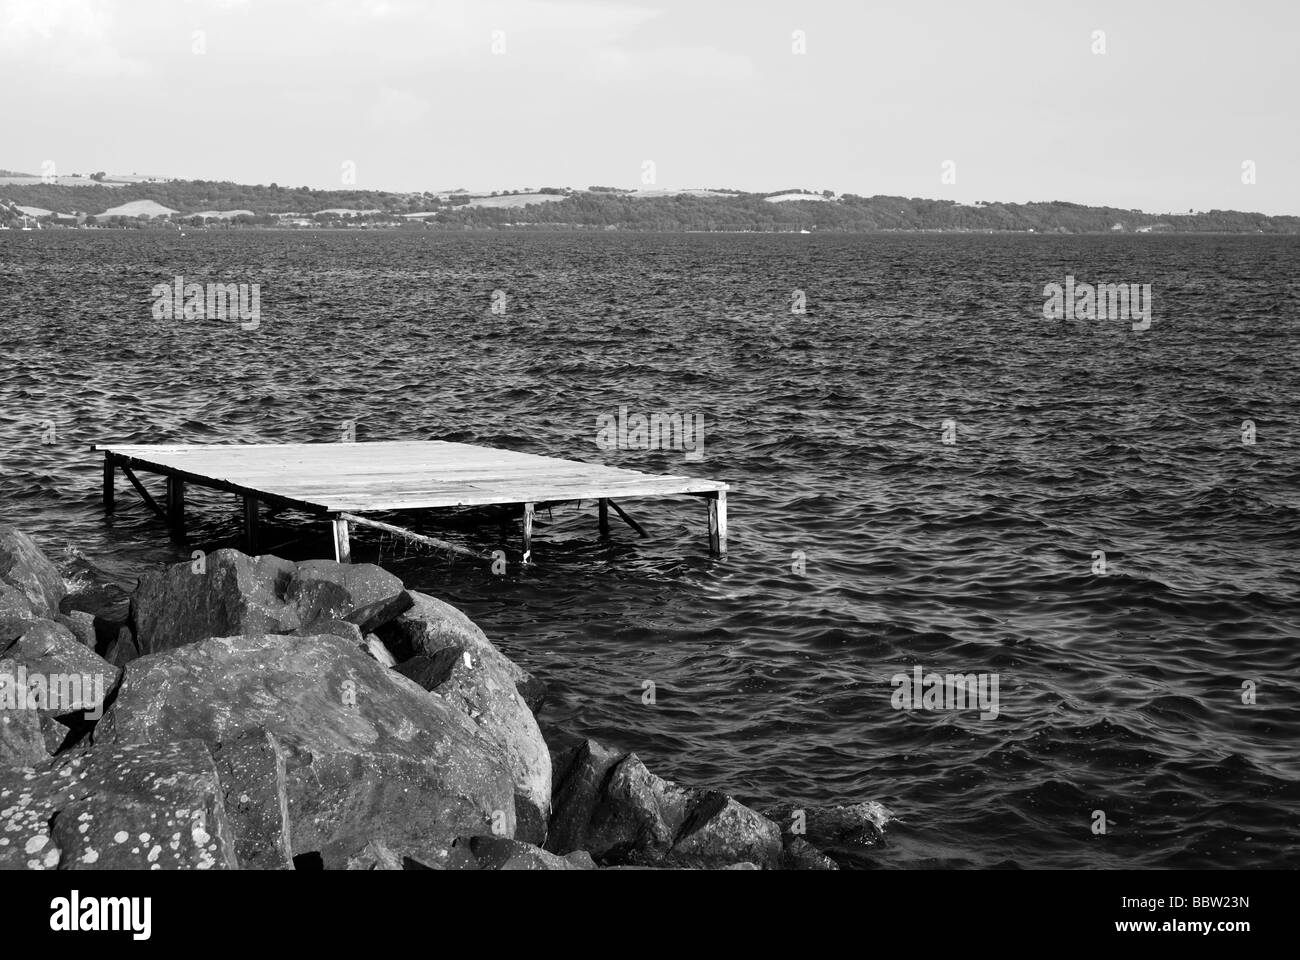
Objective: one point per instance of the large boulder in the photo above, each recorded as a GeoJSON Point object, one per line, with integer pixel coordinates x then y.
{"type": "Point", "coordinates": [578, 792]}
{"type": "Point", "coordinates": [26, 570]}
{"type": "Point", "coordinates": [151, 807]}
{"type": "Point", "coordinates": [228, 593]}
{"type": "Point", "coordinates": [359, 593]}
{"type": "Point", "coordinates": [450, 656]}
{"type": "Point", "coordinates": [59, 674]}
{"type": "Point", "coordinates": [431, 626]}
{"type": "Point", "coordinates": [224, 594]}
{"type": "Point", "coordinates": [370, 756]}
{"type": "Point", "coordinates": [639, 815]}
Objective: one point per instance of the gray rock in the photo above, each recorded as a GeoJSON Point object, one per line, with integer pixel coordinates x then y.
{"type": "Point", "coordinates": [586, 768]}
{"type": "Point", "coordinates": [843, 833]}
{"type": "Point", "coordinates": [639, 815]}
{"type": "Point", "coordinates": [722, 831]}
{"type": "Point", "coordinates": [22, 741]}
{"type": "Point", "coordinates": [123, 649]}
{"type": "Point", "coordinates": [63, 675]}
{"type": "Point", "coordinates": [16, 615]}
{"type": "Point", "coordinates": [57, 735]}
{"type": "Point", "coordinates": [798, 854]}
{"type": "Point", "coordinates": [339, 628]}
{"type": "Point", "coordinates": [369, 755]}
{"type": "Point", "coordinates": [359, 593]}
{"type": "Point", "coordinates": [374, 856]}
{"type": "Point", "coordinates": [229, 594]}
{"type": "Point", "coordinates": [581, 860]}
{"type": "Point", "coordinates": [232, 594]}
{"type": "Point", "coordinates": [501, 853]}
{"type": "Point", "coordinates": [130, 808]}
{"type": "Point", "coordinates": [611, 806]}
{"type": "Point", "coordinates": [25, 569]}
{"type": "Point", "coordinates": [378, 652]}
{"type": "Point", "coordinates": [251, 768]}
{"type": "Point", "coordinates": [81, 625]}
{"type": "Point", "coordinates": [453, 658]}
{"type": "Point", "coordinates": [431, 626]}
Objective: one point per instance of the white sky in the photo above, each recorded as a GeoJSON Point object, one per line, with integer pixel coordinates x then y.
{"type": "Point", "coordinates": [411, 92]}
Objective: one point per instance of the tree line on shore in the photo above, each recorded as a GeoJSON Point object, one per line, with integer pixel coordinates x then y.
{"type": "Point", "coordinates": [611, 208]}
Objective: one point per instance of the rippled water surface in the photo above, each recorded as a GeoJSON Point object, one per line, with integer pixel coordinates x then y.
{"type": "Point", "coordinates": [1121, 693]}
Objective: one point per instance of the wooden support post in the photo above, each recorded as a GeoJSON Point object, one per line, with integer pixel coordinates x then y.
{"type": "Point", "coordinates": [144, 494]}
{"type": "Point", "coordinates": [110, 468]}
{"type": "Point", "coordinates": [530, 511]}
{"type": "Point", "coordinates": [718, 524]}
{"type": "Point", "coordinates": [628, 520]}
{"type": "Point", "coordinates": [417, 537]}
{"type": "Point", "coordinates": [604, 517]}
{"type": "Point", "coordinates": [250, 524]}
{"type": "Point", "coordinates": [176, 506]}
{"type": "Point", "coordinates": [342, 541]}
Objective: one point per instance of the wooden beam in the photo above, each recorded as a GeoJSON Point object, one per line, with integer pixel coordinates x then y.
{"type": "Point", "coordinates": [418, 537]}
{"type": "Point", "coordinates": [530, 511]}
{"type": "Point", "coordinates": [718, 524]}
{"type": "Point", "coordinates": [250, 525]}
{"type": "Point", "coordinates": [604, 516]}
{"type": "Point", "coordinates": [628, 520]}
{"type": "Point", "coordinates": [176, 505]}
{"type": "Point", "coordinates": [342, 540]}
{"type": "Point", "coordinates": [145, 494]}
{"type": "Point", "coordinates": [110, 467]}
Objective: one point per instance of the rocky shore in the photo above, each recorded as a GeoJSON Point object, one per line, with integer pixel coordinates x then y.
{"type": "Point", "coordinates": [250, 712]}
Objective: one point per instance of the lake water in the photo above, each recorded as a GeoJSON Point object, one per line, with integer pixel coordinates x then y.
{"type": "Point", "coordinates": [1121, 693]}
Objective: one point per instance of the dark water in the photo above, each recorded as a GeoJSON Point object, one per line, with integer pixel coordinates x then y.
{"type": "Point", "coordinates": [1120, 693]}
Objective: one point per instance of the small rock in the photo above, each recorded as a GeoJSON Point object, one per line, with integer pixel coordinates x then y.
{"type": "Point", "coordinates": [123, 649]}
{"type": "Point", "coordinates": [500, 853]}
{"type": "Point", "coordinates": [581, 860]}
{"type": "Point", "coordinates": [378, 652]}
{"type": "Point", "coordinates": [22, 741]}
{"type": "Point", "coordinates": [798, 854]}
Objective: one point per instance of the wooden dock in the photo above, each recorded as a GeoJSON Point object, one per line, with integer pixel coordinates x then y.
{"type": "Point", "coordinates": [341, 482]}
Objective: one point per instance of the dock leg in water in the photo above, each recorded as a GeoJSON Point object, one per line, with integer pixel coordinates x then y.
{"type": "Point", "coordinates": [250, 525]}
{"type": "Point", "coordinates": [604, 517]}
{"type": "Point", "coordinates": [342, 541]}
{"type": "Point", "coordinates": [109, 493]}
{"type": "Point", "coordinates": [530, 511]}
{"type": "Point", "coordinates": [176, 506]}
{"type": "Point", "coordinates": [718, 524]}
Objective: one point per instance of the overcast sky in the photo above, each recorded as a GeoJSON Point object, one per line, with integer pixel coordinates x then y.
{"type": "Point", "coordinates": [713, 93]}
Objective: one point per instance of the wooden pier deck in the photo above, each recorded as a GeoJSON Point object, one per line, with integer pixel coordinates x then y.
{"type": "Point", "coordinates": [343, 481]}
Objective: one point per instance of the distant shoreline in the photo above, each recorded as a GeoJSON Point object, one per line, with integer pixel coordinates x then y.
{"type": "Point", "coordinates": [201, 204]}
